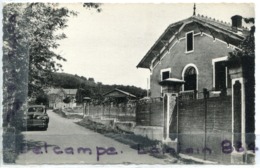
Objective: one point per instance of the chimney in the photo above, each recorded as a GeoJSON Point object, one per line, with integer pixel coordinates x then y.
{"type": "Point", "coordinates": [236, 21]}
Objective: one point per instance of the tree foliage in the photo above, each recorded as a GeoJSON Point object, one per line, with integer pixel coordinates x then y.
{"type": "Point", "coordinates": [66, 100]}
{"type": "Point", "coordinates": [245, 58]}
{"type": "Point", "coordinates": [93, 5]}
{"type": "Point", "coordinates": [42, 99]}
{"type": "Point", "coordinates": [29, 36]}
{"type": "Point", "coordinates": [246, 51]}
{"type": "Point", "coordinates": [88, 87]}
{"type": "Point", "coordinates": [30, 33]}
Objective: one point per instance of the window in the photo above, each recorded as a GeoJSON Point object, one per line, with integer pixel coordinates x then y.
{"type": "Point", "coordinates": [190, 78]}
{"type": "Point", "coordinates": [189, 38]}
{"type": "Point", "coordinates": [165, 75]}
{"type": "Point", "coordinates": [222, 77]}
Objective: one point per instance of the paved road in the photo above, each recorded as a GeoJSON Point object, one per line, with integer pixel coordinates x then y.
{"type": "Point", "coordinates": [64, 137]}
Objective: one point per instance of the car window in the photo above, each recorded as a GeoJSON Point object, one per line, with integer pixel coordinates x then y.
{"type": "Point", "coordinates": [35, 109]}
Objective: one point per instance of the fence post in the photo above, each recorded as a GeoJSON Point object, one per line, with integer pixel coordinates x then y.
{"type": "Point", "coordinates": [88, 104]}
{"type": "Point", "coordinates": [136, 116]}
{"type": "Point", "coordinates": [109, 110]}
{"type": "Point", "coordinates": [177, 118]}
{"type": "Point", "coordinates": [118, 111]}
{"type": "Point", "coordinates": [150, 114]}
{"type": "Point", "coordinates": [84, 109]}
{"type": "Point", "coordinates": [103, 109]}
{"type": "Point", "coordinates": [124, 108]}
{"type": "Point", "coordinates": [205, 95]}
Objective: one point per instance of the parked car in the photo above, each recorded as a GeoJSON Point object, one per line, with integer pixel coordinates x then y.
{"type": "Point", "coordinates": [36, 117]}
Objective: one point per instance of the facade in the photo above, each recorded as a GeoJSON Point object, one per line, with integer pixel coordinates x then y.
{"type": "Point", "coordinates": [56, 97]}
{"type": "Point", "coordinates": [194, 50]}
{"type": "Point", "coordinates": [204, 101]}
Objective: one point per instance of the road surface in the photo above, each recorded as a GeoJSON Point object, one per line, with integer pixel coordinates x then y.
{"type": "Point", "coordinates": [68, 143]}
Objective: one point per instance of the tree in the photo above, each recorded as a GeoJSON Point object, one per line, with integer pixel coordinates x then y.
{"type": "Point", "coordinates": [91, 79]}
{"type": "Point", "coordinates": [42, 100]}
{"type": "Point", "coordinates": [66, 100]}
{"type": "Point", "coordinates": [31, 32]}
{"type": "Point", "coordinates": [93, 5]}
{"type": "Point", "coordinates": [247, 48]}
{"type": "Point", "coordinates": [30, 35]}
{"type": "Point", "coordinates": [82, 92]}
{"type": "Point", "coordinates": [245, 59]}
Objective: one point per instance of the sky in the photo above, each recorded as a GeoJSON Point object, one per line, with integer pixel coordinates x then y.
{"type": "Point", "coordinates": [108, 45]}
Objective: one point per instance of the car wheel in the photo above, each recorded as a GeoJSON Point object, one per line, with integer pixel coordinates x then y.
{"type": "Point", "coordinates": [44, 128]}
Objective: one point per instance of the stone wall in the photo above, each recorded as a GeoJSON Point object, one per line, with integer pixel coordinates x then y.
{"type": "Point", "coordinates": [193, 139]}
{"type": "Point", "coordinates": [123, 111]}
{"type": "Point", "coordinates": [149, 113]}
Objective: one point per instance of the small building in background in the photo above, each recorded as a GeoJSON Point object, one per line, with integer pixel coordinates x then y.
{"type": "Point", "coordinates": [119, 96]}
{"type": "Point", "coordinates": [57, 96]}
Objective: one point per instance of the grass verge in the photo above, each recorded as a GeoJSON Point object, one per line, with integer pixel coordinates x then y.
{"type": "Point", "coordinates": [152, 147]}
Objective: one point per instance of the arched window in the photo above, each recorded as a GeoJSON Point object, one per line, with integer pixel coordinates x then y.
{"type": "Point", "coordinates": [190, 78]}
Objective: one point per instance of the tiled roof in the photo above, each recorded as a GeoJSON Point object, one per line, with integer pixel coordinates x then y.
{"type": "Point", "coordinates": [70, 91]}
{"type": "Point", "coordinates": [52, 91]}
{"type": "Point", "coordinates": [121, 91]}
{"type": "Point", "coordinates": [219, 23]}
{"type": "Point", "coordinates": [56, 91]}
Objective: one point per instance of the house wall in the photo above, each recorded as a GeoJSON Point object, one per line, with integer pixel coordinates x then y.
{"type": "Point", "coordinates": [56, 100]}
{"type": "Point", "coordinates": [205, 49]}
{"type": "Point", "coordinates": [51, 98]}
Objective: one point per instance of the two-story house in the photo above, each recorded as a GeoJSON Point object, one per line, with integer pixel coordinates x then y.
{"type": "Point", "coordinates": [210, 105]}
{"type": "Point", "coordinates": [195, 50]}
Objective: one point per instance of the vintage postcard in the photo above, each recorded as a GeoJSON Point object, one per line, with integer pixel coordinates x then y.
{"type": "Point", "coordinates": [128, 83]}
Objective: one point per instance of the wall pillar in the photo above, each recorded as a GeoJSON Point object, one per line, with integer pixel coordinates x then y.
{"type": "Point", "coordinates": [170, 87]}
{"type": "Point", "coordinates": [238, 115]}
{"type": "Point", "coordinates": [168, 107]}
{"type": "Point", "coordinates": [84, 109]}
{"type": "Point", "coordinates": [86, 105]}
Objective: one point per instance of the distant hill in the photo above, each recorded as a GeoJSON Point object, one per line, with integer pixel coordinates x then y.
{"type": "Point", "coordinates": [88, 87]}
{"type": "Point", "coordinates": [69, 81]}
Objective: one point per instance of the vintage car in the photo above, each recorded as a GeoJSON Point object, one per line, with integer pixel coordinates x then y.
{"type": "Point", "coordinates": [36, 117]}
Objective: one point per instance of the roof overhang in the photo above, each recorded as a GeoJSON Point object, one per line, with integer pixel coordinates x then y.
{"type": "Point", "coordinates": [229, 36]}
{"type": "Point", "coordinates": [171, 81]}
{"type": "Point", "coordinates": [86, 98]}
{"type": "Point", "coordinates": [159, 44]}
{"type": "Point", "coordinates": [117, 93]}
